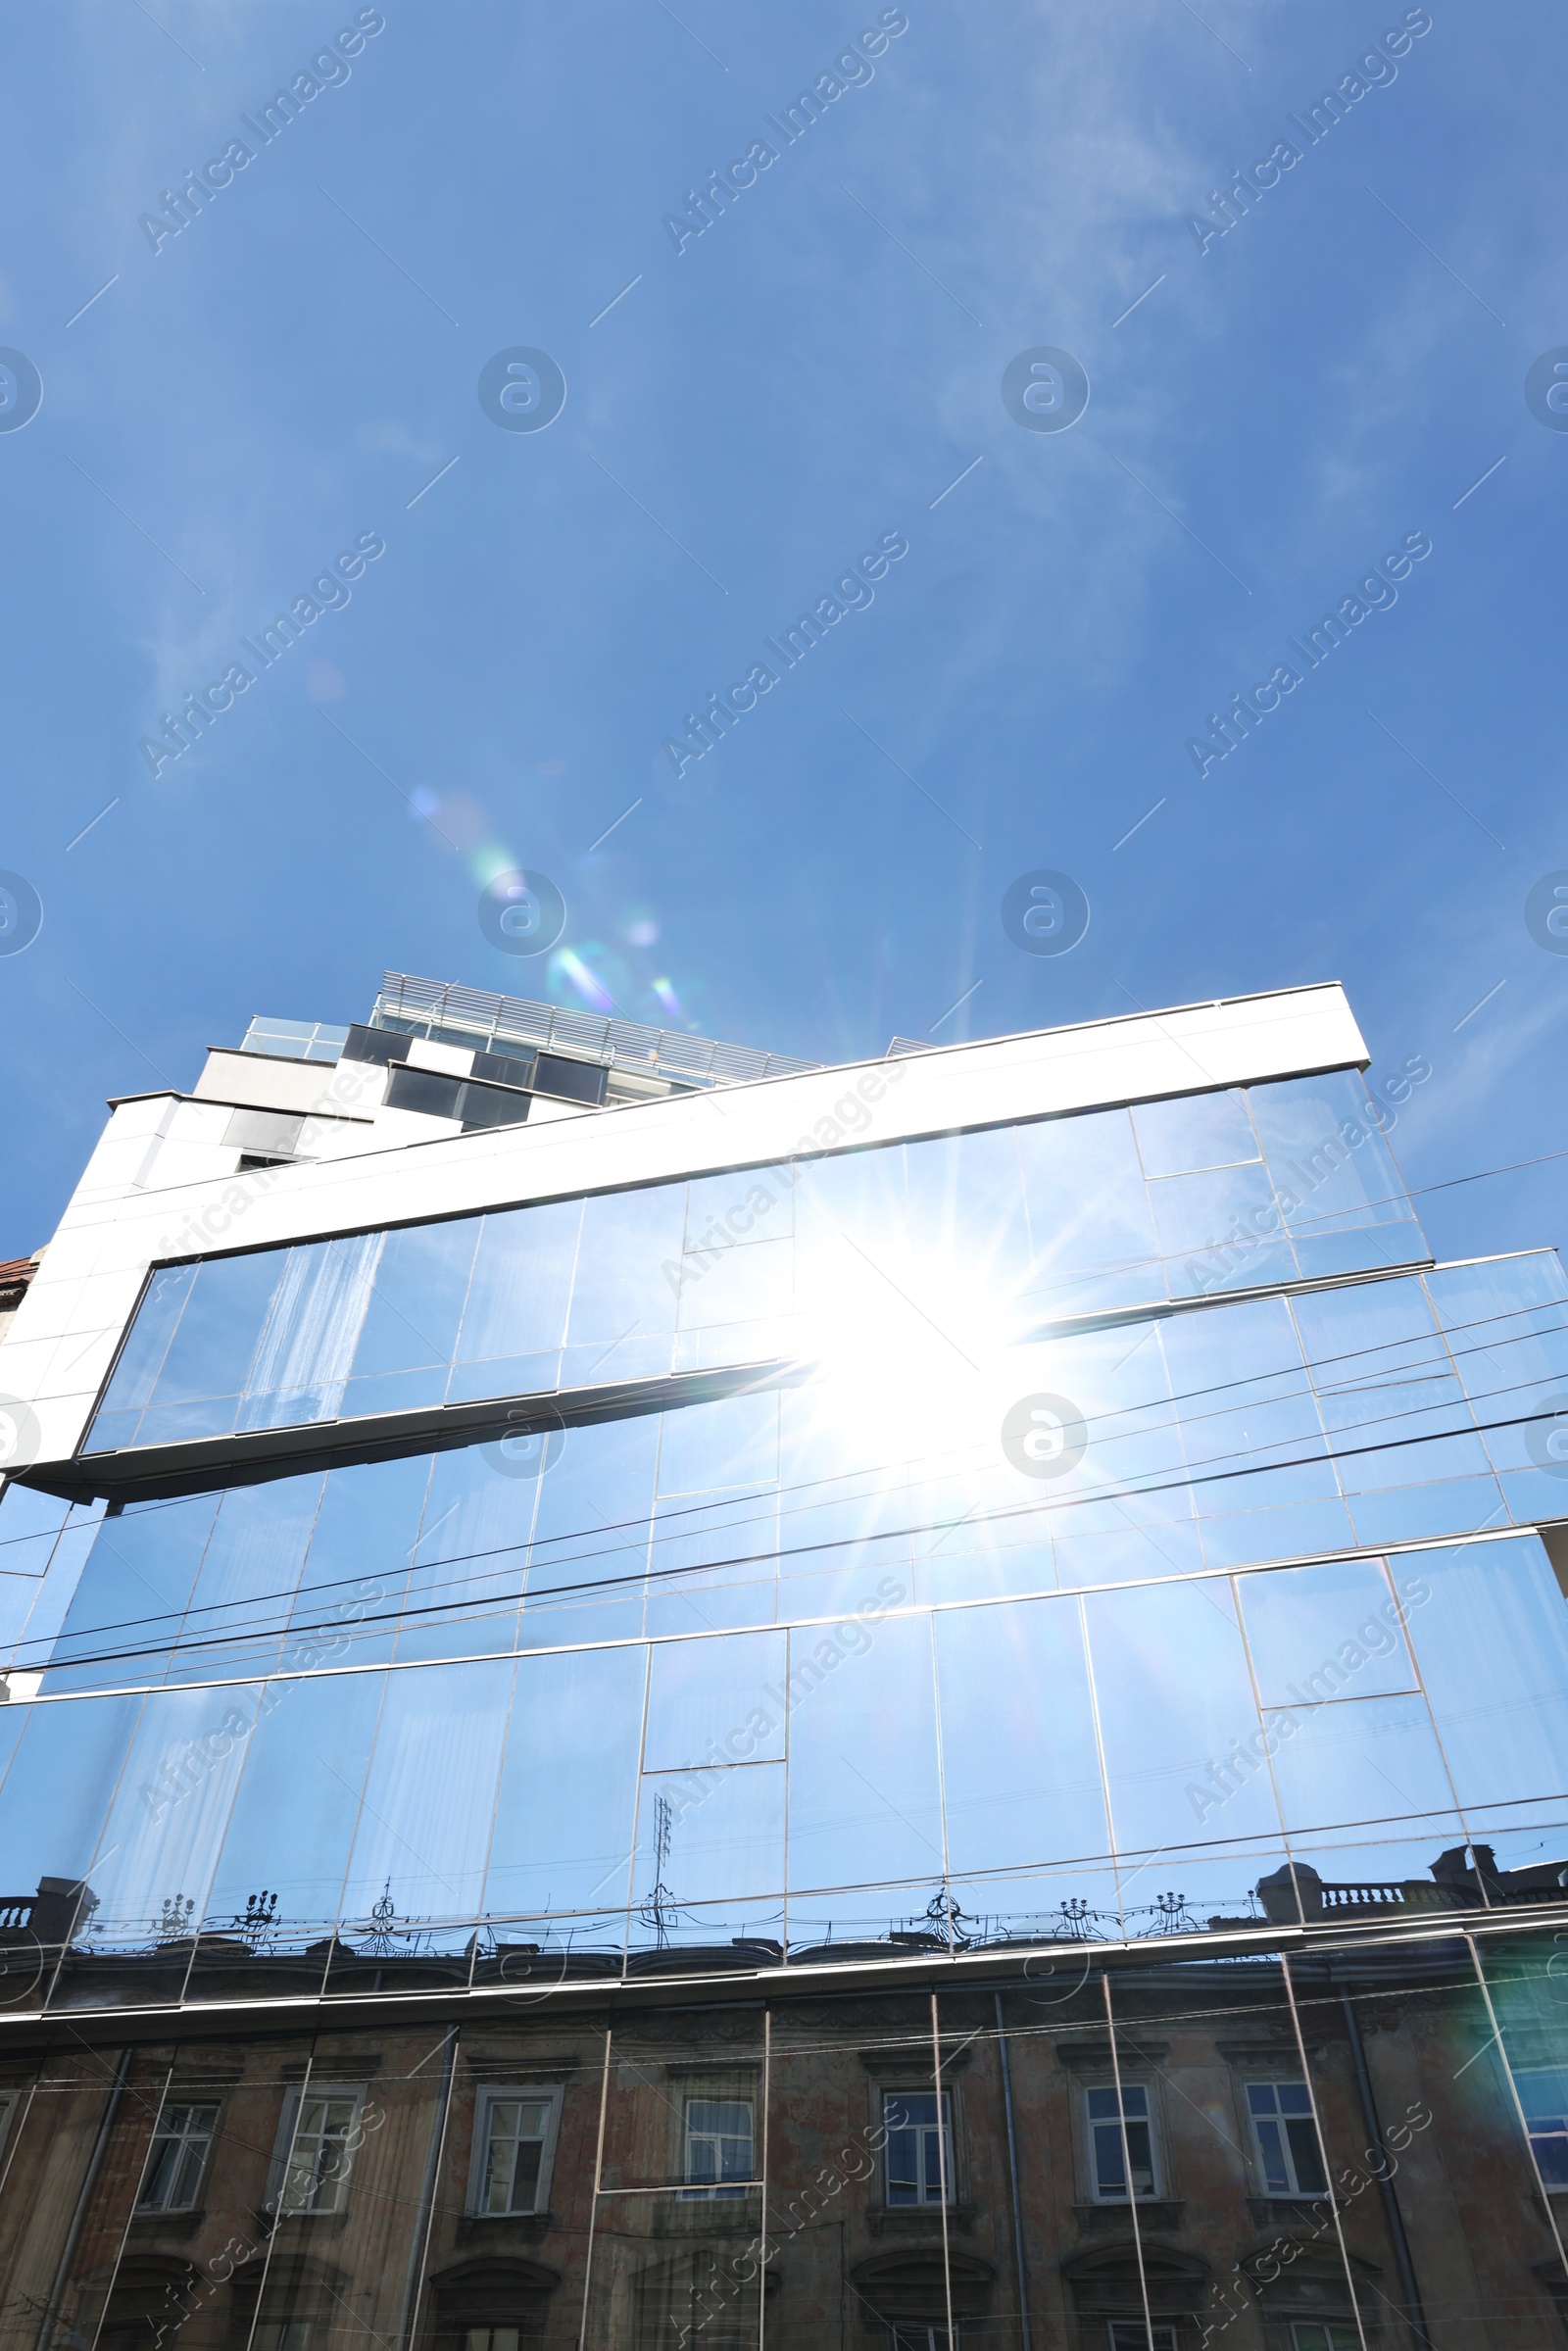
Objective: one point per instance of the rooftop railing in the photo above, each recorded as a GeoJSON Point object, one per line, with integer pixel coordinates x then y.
{"type": "Point", "coordinates": [472, 1015]}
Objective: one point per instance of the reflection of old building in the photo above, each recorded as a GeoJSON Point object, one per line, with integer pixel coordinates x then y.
{"type": "Point", "coordinates": [15, 1275]}
{"type": "Point", "coordinates": [661, 1700]}
{"type": "Point", "coordinates": [1314, 2144]}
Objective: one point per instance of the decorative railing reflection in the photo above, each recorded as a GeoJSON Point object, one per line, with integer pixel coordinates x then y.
{"type": "Point", "coordinates": [662, 1934]}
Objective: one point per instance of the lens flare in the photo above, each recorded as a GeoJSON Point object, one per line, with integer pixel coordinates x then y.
{"type": "Point", "coordinates": [568, 965]}
{"type": "Point", "coordinates": [490, 859]}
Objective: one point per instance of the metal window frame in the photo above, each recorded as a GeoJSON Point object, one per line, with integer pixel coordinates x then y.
{"type": "Point", "coordinates": [1276, 2082]}
{"type": "Point", "coordinates": [710, 2190]}
{"type": "Point", "coordinates": [485, 2096]}
{"type": "Point", "coordinates": [284, 2149]}
{"type": "Point", "coordinates": [1159, 2189]}
{"type": "Point", "coordinates": [189, 2203]}
{"type": "Point", "coordinates": [947, 2125]}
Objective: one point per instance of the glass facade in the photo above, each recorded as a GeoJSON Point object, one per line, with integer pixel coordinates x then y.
{"type": "Point", "coordinates": [856, 1654]}
{"type": "Point", "coordinates": [989, 1236]}
{"type": "Point", "coordinates": [1101, 1680]}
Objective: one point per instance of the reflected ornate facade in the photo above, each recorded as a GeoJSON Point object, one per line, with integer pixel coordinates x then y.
{"type": "Point", "coordinates": [659, 1698]}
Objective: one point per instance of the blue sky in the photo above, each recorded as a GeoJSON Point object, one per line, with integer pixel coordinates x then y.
{"type": "Point", "coordinates": [1290, 402]}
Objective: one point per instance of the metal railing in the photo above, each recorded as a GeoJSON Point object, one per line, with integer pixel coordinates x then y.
{"type": "Point", "coordinates": [495, 1021]}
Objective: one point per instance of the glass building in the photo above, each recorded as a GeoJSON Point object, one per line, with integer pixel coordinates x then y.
{"type": "Point", "coordinates": [657, 1695]}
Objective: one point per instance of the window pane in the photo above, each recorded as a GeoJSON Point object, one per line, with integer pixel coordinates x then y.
{"type": "Point", "coordinates": [132, 1593]}
{"type": "Point", "coordinates": [1110, 2168]}
{"type": "Point", "coordinates": [622, 1319]}
{"type": "Point", "coordinates": [514, 2154]}
{"type": "Point", "coordinates": [1092, 1236]}
{"type": "Point", "coordinates": [1362, 1787]}
{"type": "Point", "coordinates": [863, 1795]}
{"type": "Point", "coordinates": [1020, 1760]}
{"type": "Point", "coordinates": [1318, 1632]}
{"type": "Point", "coordinates": [59, 1787]}
{"type": "Point", "coordinates": [469, 1566]}
{"type": "Point", "coordinates": [718, 2140]}
{"type": "Point", "coordinates": [1344, 1201]}
{"type": "Point", "coordinates": [1382, 1371]}
{"type": "Point", "coordinates": [1305, 2158]}
{"type": "Point", "coordinates": [729, 1444]}
{"type": "Point", "coordinates": [1197, 1215]}
{"type": "Point", "coordinates": [742, 1282]}
{"type": "Point", "coordinates": [288, 1839]}
{"type": "Point", "coordinates": [308, 1344]}
{"type": "Point", "coordinates": [1490, 1628]}
{"type": "Point", "coordinates": [210, 1352]}
{"type": "Point", "coordinates": [1175, 1699]}
{"type": "Point", "coordinates": [725, 1840]}
{"type": "Point", "coordinates": [569, 1786]}
{"type": "Point", "coordinates": [253, 1561]}
{"type": "Point", "coordinates": [516, 1316]}
{"type": "Point", "coordinates": [595, 1503]}
{"type": "Point", "coordinates": [1245, 1398]}
{"type": "Point", "coordinates": [429, 1799]}
{"type": "Point", "coordinates": [357, 1567]}
{"type": "Point", "coordinates": [1194, 1131]}
{"type": "Point", "coordinates": [165, 1826]}
{"type": "Point", "coordinates": [1276, 2170]}
{"type": "Point", "coordinates": [410, 1331]}
{"type": "Point", "coordinates": [717, 1701]}
{"type": "Point", "coordinates": [141, 1359]}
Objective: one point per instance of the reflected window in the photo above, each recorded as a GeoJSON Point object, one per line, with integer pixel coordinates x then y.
{"type": "Point", "coordinates": [919, 2156]}
{"type": "Point", "coordinates": [177, 2158]}
{"type": "Point", "coordinates": [317, 2144]}
{"type": "Point", "coordinates": [1286, 2138]}
{"type": "Point", "coordinates": [1312, 2334]}
{"type": "Point", "coordinates": [282, 2334]}
{"type": "Point", "coordinates": [1131, 2334]}
{"type": "Point", "coordinates": [515, 2134]}
{"type": "Point", "coordinates": [1119, 2139]}
{"type": "Point", "coordinates": [1544, 2096]}
{"type": "Point", "coordinates": [718, 2145]}
{"type": "Point", "coordinates": [922, 2338]}
{"type": "Point", "coordinates": [490, 2338]}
